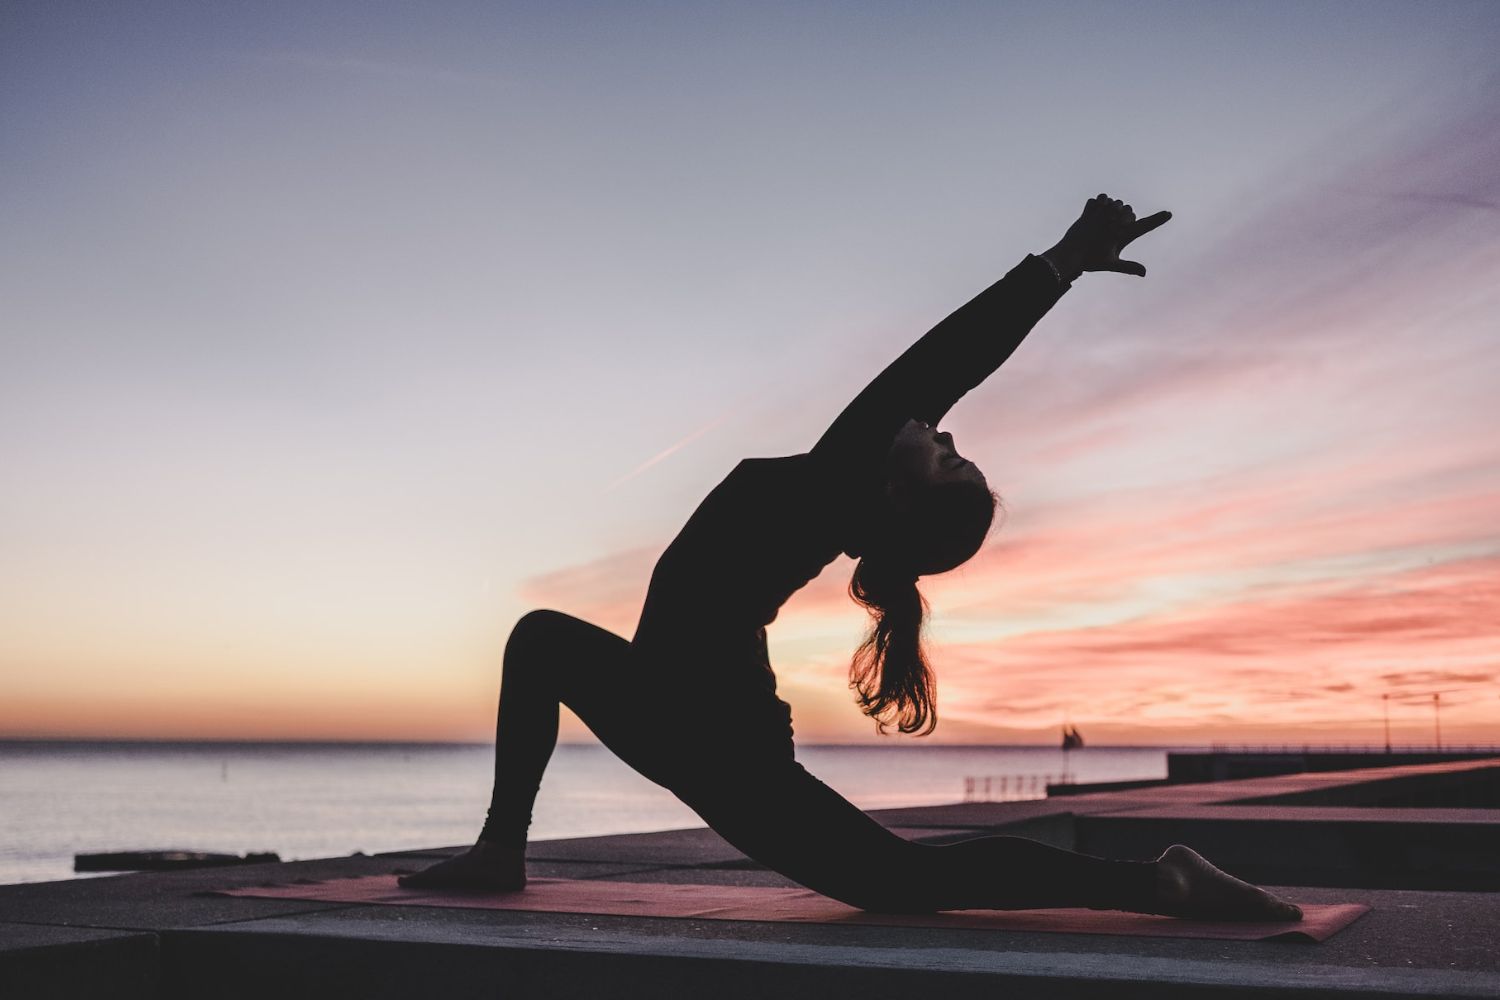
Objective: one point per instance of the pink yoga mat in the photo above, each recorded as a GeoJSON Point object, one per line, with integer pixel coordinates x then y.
{"type": "Point", "coordinates": [732, 902]}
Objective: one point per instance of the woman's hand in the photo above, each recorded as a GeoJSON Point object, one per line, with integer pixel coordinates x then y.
{"type": "Point", "coordinates": [1094, 242]}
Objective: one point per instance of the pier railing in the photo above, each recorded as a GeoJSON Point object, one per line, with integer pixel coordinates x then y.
{"type": "Point", "coordinates": [1011, 787]}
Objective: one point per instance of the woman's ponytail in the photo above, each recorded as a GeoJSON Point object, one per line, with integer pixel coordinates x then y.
{"type": "Point", "coordinates": [889, 672]}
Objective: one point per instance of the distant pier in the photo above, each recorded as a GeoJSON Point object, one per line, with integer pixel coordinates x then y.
{"type": "Point", "coordinates": [1228, 762]}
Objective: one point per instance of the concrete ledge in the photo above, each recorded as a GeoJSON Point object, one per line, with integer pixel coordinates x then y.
{"type": "Point", "coordinates": [1322, 846]}
{"type": "Point", "coordinates": [350, 958]}
{"type": "Point", "coordinates": [1229, 765]}
{"type": "Point", "coordinates": [38, 961]}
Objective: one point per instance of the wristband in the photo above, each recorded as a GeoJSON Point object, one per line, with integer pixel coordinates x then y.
{"type": "Point", "coordinates": [1055, 272]}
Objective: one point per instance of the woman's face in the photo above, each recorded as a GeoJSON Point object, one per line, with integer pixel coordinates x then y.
{"type": "Point", "coordinates": [924, 456]}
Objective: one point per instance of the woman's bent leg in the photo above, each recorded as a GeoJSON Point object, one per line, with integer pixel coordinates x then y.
{"type": "Point", "coordinates": [554, 659]}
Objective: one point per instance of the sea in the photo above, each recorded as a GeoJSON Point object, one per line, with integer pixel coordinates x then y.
{"type": "Point", "coordinates": [320, 800]}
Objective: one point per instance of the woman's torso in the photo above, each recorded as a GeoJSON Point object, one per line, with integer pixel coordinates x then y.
{"type": "Point", "coordinates": [758, 537]}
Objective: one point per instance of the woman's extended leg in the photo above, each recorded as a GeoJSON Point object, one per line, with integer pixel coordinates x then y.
{"type": "Point", "coordinates": [553, 659]}
{"type": "Point", "coordinates": [795, 824]}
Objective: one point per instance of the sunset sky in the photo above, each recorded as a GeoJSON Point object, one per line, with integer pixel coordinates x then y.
{"type": "Point", "coordinates": [336, 336]}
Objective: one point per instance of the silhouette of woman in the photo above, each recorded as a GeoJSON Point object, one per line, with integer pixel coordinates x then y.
{"type": "Point", "coordinates": [690, 702]}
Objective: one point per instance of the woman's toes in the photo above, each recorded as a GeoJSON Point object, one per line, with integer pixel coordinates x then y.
{"type": "Point", "coordinates": [445, 873]}
{"type": "Point", "coordinates": [416, 880]}
{"type": "Point", "coordinates": [1189, 885]}
{"type": "Point", "coordinates": [474, 869]}
{"type": "Point", "coordinates": [1288, 911]}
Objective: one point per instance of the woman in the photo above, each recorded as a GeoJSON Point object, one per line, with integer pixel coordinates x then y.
{"type": "Point", "coordinates": [690, 702]}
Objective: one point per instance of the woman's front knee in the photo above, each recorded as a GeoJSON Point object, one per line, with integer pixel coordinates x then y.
{"type": "Point", "coordinates": [539, 626]}
{"type": "Point", "coordinates": [578, 656]}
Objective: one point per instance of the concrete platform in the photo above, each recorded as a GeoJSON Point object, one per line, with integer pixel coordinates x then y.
{"type": "Point", "coordinates": [38, 960]}
{"type": "Point", "coordinates": [159, 935]}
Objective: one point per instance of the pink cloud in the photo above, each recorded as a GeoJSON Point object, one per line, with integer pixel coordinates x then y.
{"type": "Point", "coordinates": [1308, 659]}
{"type": "Point", "coordinates": [606, 591]}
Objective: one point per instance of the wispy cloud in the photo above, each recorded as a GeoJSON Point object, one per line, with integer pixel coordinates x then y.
{"type": "Point", "coordinates": [669, 451]}
{"type": "Point", "coordinates": [359, 65]}
{"type": "Point", "coordinates": [1437, 198]}
{"type": "Point", "coordinates": [606, 591]}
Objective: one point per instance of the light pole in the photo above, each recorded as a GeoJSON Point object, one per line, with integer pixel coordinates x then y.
{"type": "Point", "coordinates": [1437, 720]}
{"type": "Point", "coordinates": [1385, 704]}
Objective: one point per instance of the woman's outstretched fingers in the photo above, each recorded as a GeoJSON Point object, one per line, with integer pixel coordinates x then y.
{"type": "Point", "coordinates": [1135, 228]}
{"type": "Point", "coordinates": [1103, 229]}
{"type": "Point", "coordinates": [1150, 222]}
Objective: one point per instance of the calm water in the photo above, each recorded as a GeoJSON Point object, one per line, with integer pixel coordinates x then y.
{"type": "Point", "coordinates": [326, 800]}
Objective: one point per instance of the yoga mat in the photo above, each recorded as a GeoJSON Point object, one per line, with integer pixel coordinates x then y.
{"type": "Point", "coordinates": [776, 905]}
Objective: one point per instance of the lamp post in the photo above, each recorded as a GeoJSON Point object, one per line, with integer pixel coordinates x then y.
{"type": "Point", "coordinates": [1437, 720]}
{"type": "Point", "coordinates": [1385, 705]}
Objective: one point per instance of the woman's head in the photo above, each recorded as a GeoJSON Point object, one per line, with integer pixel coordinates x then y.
{"type": "Point", "coordinates": [935, 514]}
{"type": "Point", "coordinates": [937, 507]}
{"type": "Point", "coordinates": [921, 455]}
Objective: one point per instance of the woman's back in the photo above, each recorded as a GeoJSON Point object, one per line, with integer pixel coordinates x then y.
{"type": "Point", "coordinates": [763, 533]}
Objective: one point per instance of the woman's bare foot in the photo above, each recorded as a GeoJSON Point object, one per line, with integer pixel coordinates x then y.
{"type": "Point", "coordinates": [1189, 886]}
{"type": "Point", "coordinates": [483, 866]}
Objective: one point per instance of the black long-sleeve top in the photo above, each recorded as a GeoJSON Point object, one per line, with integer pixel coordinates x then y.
{"type": "Point", "coordinates": [773, 524]}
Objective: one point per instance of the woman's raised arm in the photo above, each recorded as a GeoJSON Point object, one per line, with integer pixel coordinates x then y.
{"type": "Point", "coordinates": [966, 348]}
{"type": "Point", "coordinates": [931, 375]}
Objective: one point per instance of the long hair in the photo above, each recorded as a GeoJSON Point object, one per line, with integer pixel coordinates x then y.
{"type": "Point", "coordinates": [889, 673]}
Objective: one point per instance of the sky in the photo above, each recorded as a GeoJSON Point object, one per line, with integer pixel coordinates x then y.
{"type": "Point", "coordinates": [334, 337]}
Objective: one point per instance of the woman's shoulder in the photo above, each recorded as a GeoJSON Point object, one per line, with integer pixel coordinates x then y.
{"type": "Point", "coordinates": [763, 460]}
{"type": "Point", "coordinates": [771, 466]}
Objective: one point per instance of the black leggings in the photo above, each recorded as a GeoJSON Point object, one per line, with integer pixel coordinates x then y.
{"type": "Point", "coordinates": [763, 803]}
